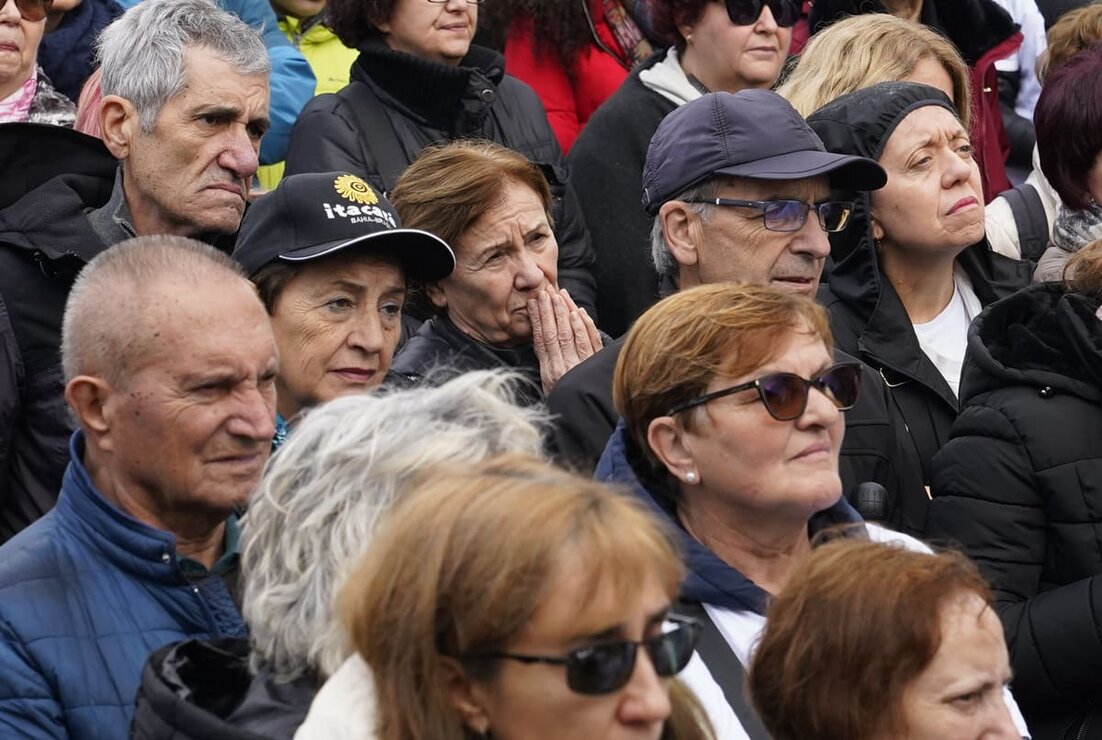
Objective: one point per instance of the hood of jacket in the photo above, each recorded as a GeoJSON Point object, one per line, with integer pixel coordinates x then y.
{"type": "Point", "coordinates": [203, 689]}
{"type": "Point", "coordinates": [1042, 336]}
{"type": "Point", "coordinates": [709, 580]}
{"type": "Point", "coordinates": [974, 26]}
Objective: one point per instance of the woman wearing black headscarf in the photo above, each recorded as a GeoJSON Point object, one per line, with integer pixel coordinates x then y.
{"type": "Point", "coordinates": [913, 268]}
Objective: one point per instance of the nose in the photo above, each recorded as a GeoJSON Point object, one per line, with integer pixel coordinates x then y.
{"type": "Point", "coordinates": [811, 240]}
{"type": "Point", "coordinates": [766, 23]}
{"type": "Point", "coordinates": [646, 697]}
{"type": "Point", "coordinates": [530, 275]}
{"type": "Point", "coordinates": [957, 170]}
{"type": "Point", "coordinates": [366, 333]}
{"type": "Point", "coordinates": [241, 154]}
{"type": "Point", "coordinates": [254, 418]}
{"type": "Point", "coordinates": [820, 410]}
{"type": "Point", "coordinates": [9, 13]}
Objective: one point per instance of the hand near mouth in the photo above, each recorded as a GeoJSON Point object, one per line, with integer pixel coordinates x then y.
{"type": "Point", "coordinates": [563, 335]}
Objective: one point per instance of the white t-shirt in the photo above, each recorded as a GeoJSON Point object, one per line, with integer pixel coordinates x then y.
{"type": "Point", "coordinates": [945, 338]}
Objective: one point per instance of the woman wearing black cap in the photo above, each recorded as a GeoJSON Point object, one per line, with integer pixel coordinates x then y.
{"type": "Point", "coordinates": [914, 268]}
{"type": "Point", "coordinates": [331, 262]}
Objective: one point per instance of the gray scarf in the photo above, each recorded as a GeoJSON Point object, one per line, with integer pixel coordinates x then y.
{"type": "Point", "coordinates": [1073, 230]}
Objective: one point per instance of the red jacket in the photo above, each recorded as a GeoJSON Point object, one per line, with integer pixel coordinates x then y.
{"type": "Point", "coordinates": [569, 99]}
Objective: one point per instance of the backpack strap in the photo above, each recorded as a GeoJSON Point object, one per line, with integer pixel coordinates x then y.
{"type": "Point", "coordinates": [725, 668]}
{"type": "Point", "coordinates": [1029, 219]}
{"type": "Point", "coordinates": [372, 121]}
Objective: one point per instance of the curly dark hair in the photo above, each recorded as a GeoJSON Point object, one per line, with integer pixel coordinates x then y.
{"type": "Point", "coordinates": [561, 28]}
{"type": "Point", "coordinates": [669, 14]}
{"type": "Point", "coordinates": [354, 21]}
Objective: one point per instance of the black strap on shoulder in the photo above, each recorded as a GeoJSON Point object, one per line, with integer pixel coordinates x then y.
{"type": "Point", "coordinates": [373, 123]}
{"type": "Point", "coordinates": [1030, 220]}
{"type": "Point", "coordinates": [725, 668]}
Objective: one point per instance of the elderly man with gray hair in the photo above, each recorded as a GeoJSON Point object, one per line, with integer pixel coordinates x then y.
{"type": "Point", "coordinates": [185, 103]}
{"type": "Point", "coordinates": [176, 408]}
{"type": "Point", "coordinates": [335, 479]}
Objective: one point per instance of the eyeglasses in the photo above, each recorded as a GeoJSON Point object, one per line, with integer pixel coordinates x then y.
{"type": "Point", "coordinates": [791, 215]}
{"type": "Point", "coordinates": [607, 666]}
{"type": "Point", "coordinates": [31, 10]}
{"type": "Point", "coordinates": [785, 394]}
{"type": "Point", "coordinates": [747, 12]}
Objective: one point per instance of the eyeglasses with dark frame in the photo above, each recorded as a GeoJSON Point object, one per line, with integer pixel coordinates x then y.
{"type": "Point", "coordinates": [785, 394]}
{"type": "Point", "coordinates": [746, 12]}
{"type": "Point", "coordinates": [607, 666]}
{"type": "Point", "coordinates": [791, 215]}
{"type": "Point", "coordinates": [31, 10]}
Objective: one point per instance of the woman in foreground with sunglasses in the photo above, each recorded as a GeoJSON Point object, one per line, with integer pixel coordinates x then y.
{"type": "Point", "coordinates": [26, 94]}
{"type": "Point", "coordinates": [732, 423]}
{"type": "Point", "coordinates": [514, 600]}
{"type": "Point", "coordinates": [914, 267]}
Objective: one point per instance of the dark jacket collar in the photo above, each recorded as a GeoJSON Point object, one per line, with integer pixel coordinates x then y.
{"type": "Point", "coordinates": [709, 579]}
{"type": "Point", "coordinates": [50, 219]}
{"type": "Point", "coordinates": [454, 99]}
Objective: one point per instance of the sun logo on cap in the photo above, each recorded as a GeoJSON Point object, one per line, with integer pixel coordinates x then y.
{"type": "Point", "coordinates": [354, 189]}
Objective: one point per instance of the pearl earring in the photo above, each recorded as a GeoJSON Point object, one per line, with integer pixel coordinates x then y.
{"type": "Point", "coordinates": [690, 477]}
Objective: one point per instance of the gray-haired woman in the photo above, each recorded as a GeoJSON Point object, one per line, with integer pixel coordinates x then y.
{"type": "Point", "coordinates": [333, 480]}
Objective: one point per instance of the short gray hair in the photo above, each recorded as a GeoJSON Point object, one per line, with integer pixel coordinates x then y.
{"type": "Point", "coordinates": [660, 254]}
{"type": "Point", "coordinates": [327, 488]}
{"type": "Point", "coordinates": [98, 332]}
{"type": "Point", "coordinates": [142, 53]}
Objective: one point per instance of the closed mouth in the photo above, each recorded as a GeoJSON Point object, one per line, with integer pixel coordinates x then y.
{"type": "Point", "coordinates": [963, 203]}
{"type": "Point", "coordinates": [815, 449]}
{"type": "Point", "coordinates": [355, 374]}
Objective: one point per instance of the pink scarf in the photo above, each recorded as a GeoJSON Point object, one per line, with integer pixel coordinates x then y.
{"type": "Point", "coordinates": [16, 107]}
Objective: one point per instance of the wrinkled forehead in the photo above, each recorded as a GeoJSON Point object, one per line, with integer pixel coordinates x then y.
{"type": "Point", "coordinates": [807, 189]}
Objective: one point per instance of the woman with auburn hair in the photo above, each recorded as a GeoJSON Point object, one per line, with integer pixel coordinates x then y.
{"type": "Point", "coordinates": [516, 600]}
{"type": "Point", "coordinates": [732, 423]}
{"type": "Point", "coordinates": [870, 642]}
{"type": "Point", "coordinates": [1018, 487]}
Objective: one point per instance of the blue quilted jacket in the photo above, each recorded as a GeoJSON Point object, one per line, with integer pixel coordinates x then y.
{"type": "Point", "coordinates": [86, 594]}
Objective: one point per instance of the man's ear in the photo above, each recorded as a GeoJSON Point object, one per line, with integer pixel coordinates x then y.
{"type": "Point", "coordinates": [464, 695]}
{"type": "Point", "coordinates": [677, 226]}
{"type": "Point", "coordinates": [436, 295]}
{"type": "Point", "coordinates": [120, 124]}
{"type": "Point", "coordinates": [90, 399]}
{"type": "Point", "coordinates": [668, 441]}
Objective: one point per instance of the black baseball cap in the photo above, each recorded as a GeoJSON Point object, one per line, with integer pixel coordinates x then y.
{"type": "Point", "coordinates": [313, 215]}
{"type": "Point", "coordinates": [751, 133]}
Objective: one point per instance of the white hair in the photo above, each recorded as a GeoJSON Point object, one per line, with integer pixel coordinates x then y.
{"type": "Point", "coordinates": [664, 263]}
{"type": "Point", "coordinates": [101, 329]}
{"type": "Point", "coordinates": [142, 53]}
{"type": "Point", "coordinates": [325, 491]}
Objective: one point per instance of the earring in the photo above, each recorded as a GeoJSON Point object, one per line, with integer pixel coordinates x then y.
{"type": "Point", "coordinates": [690, 477]}
{"type": "Point", "coordinates": [689, 39]}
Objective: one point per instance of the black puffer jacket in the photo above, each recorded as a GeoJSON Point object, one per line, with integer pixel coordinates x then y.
{"type": "Point", "coordinates": [425, 103]}
{"type": "Point", "coordinates": [1019, 485]}
{"type": "Point", "coordinates": [866, 315]}
{"type": "Point", "coordinates": [203, 690]}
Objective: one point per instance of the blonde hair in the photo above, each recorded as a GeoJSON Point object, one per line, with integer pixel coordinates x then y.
{"type": "Point", "coordinates": [863, 50]}
{"type": "Point", "coordinates": [1074, 32]}
{"type": "Point", "coordinates": [1083, 271]}
{"type": "Point", "coordinates": [462, 565]}
{"type": "Point", "coordinates": [675, 349]}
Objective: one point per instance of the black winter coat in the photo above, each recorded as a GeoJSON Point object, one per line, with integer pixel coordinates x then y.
{"type": "Point", "coordinates": [1019, 485]}
{"type": "Point", "coordinates": [203, 690]}
{"type": "Point", "coordinates": [606, 164]}
{"type": "Point", "coordinates": [428, 103]}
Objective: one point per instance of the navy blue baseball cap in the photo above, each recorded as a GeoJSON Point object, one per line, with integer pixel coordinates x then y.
{"type": "Point", "coordinates": [751, 133]}
{"type": "Point", "coordinates": [313, 215]}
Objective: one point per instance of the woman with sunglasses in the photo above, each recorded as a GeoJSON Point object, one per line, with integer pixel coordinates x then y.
{"type": "Point", "coordinates": [714, 46]}
{"type": "Point", "coordinates": [26, 94]}
{"type": "Point", "coordinates": [914, 267]}
{"type": "Point", "coordinates": [516, 601]}
{"type": "Point", "coordinates": [732, 423]}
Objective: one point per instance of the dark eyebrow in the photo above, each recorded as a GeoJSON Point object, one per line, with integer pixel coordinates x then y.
{"type": "Point", "coordinates": [224, 112]}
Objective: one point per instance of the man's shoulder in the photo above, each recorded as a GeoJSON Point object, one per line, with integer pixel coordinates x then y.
{"type": "Point", "coordinates": [33, 560]}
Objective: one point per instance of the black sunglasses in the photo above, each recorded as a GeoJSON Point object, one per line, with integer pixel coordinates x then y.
{"type": "Point", "coordinates": [785, 394]}
{"type": "Point", "coordinates": [31, 10]}
{"type": "Point", "coordinates": [791, 215]}
{"type": "Point", "coordinates": [607, 666]}
{"type": "Point", "coordinates": [747, 12]}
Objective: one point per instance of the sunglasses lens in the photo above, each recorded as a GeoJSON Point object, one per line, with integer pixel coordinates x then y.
{"type": "Point", "coordinates": [671, 651]}
{"type": "Point", "coordinates": [785, 395]}
{"type": "Point", "coordinates": [834, 216]}
{"type": "Point", "coordinates": [841, 385]}
{"type": "Point", "coordinates": [33, 10]}
{"type": "Point", "coordinates": [743, 12]}
{"type": "Point", "coordinates": [785, 215]}
{"type": "Point", "coordinates": [600, 669]}
{"type": "Point", "coordinates": [785, 12]}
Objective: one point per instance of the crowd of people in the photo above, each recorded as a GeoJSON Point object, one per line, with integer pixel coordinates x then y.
{"type": "Point", "coordinates": [682, 369]}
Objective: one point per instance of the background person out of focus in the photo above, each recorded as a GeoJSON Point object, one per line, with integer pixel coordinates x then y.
{"type": "Point", "coordinates": [1054, 10]}
{"type": "Point", "coordinates": [913, 268]}
{"type": "Point", "coordinates": [187, 153]}
{"type": "Point", "coordinates": [714, 47]}
{"type": "Point", "coordinates": [574, 54]}
{"type": "Point", "coordinates": [170, 370]}
{"type": "Point", "coordinates": [503, 305]}
{"type": "Point", "coordinates": [1019, 85]}
{"type": "Point", "coordinates": [419, 81]}
{"type": "Point", "coordinates": [26, 93]}
{"type": "Point", "coordinates": [337, 477]}
{"type": "Point", "coordinates": [870, 641]}
{"type": "Point", "coordinates": [515, 600]}
{"type": "Point", "coordinates": [331, 262]}
{"type": "Point", "coordinates": [1069, 144]}
{"type": "Point", "coordinates": [983, 33]}
{"type": "Point", "coordinates": [68, 51]}
{"type": "Point", "coordinates": [1017, 487]}
{"type": "Point", "coordinates": [732, 407]}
